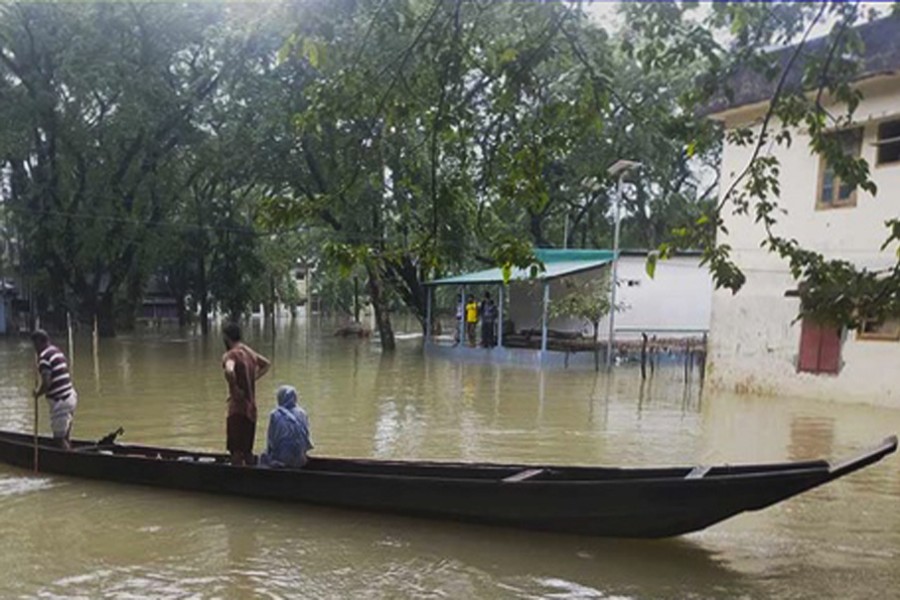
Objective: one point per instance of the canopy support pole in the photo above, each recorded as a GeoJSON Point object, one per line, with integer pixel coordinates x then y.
{"type": "Point", "coordinates": [545, 307]}
{"type": "Point", "coordinates": [500, 317]}
{"type": "Point", "coordinates": [462, 312]}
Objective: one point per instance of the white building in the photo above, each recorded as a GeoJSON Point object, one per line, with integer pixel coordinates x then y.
{"type": "Point", "coordinates": [756, 345]}
{"type": "Point", "coordinates": [676, 301]}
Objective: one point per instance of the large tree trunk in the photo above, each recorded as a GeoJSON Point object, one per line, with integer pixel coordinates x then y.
{"type": "Point", "coordinates": [181, 307]}
{"type": "Point", "coordinates": [98, 308]}
{"type": "Point", "coordinates": [128, 309]}
{"type": "Point", "coordinates": [382, 314]}
{"type": "Point", "coordinates": [269, 305]}
{"type": "Point", "coordinates": [106, 315]}
{"type": "Point", "coordinates": [408, 280]}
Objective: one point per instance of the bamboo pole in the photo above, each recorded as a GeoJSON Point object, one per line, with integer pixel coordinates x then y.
{"type": "Point", "coordinates": [687, 360]}
{"type": "Point", "coordinates": [96, 352]}
{"type": "Point", "coordinates": [71, 356]}
{"type": "Point", "coordinates": [643, 357]}
{"type": "Point", "coordinates": [37, 377]}
{"type": "Point", "coordinates": [702, 362]}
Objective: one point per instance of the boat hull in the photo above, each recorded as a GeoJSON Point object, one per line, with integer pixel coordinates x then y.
{"type": "Point", "coordinates": [642, 503]}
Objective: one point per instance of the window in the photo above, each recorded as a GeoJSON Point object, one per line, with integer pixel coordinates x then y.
{"type": "Point", "coordinates": [832, 192]}
{"type": "Point", "coordinates": [888, 330]}
{"type": "Point", "coordinates": [888, 143]}
{"type": "Point", "coordinates": [820, 348]}
{"type": "Point", "coordinates": [300, 275]}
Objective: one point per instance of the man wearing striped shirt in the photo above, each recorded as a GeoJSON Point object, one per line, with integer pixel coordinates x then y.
{"type": "Point", "coordinates": [56, 385]}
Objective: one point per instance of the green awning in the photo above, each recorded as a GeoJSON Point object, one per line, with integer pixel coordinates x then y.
{"type": "Point", "coordinates": [557, 263]}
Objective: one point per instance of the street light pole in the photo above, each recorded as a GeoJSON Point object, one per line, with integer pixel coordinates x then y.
{"type": "Point", "coordinates": [620, 168]}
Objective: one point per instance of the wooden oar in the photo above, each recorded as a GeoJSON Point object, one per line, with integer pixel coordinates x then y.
{"type": "Point", "coordinates": [37, 412]}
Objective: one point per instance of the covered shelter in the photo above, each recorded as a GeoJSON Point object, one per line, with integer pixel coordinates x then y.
{"type": "Point", "coordinates": [557, 264]}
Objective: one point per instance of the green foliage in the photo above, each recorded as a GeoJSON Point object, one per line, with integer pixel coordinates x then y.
{"type": "Point", "coordinates": [584, 299]}
{"type": "Point", "coordinates": [134, 136]}
{"type": "Point", "coordinates": [389, 140]}
{"type": "Point", "coordinates": [513, 253]}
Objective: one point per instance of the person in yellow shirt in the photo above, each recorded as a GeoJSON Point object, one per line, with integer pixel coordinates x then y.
{"type": "Point", "coordinates": [471, 319]}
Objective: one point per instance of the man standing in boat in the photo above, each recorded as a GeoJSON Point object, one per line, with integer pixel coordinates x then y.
{"type": "Point", "coordinates": [243, 366]}
{"type": "Point", "coordinates": [56, 385]}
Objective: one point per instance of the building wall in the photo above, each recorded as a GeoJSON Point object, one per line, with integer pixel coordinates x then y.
{"type": "Point", "coordinates": [754, 340]}
{"type": "Point", "coordinates": [677, 298]}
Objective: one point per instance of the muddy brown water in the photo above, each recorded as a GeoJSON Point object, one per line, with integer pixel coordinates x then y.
{"type": "Point", "coordinates": [73, 538]}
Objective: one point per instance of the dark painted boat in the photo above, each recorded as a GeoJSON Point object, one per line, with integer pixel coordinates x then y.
{"type": "Point", "coordinates": [645, 503]}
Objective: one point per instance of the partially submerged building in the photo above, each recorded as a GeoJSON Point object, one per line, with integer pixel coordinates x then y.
{"type": "Point", "coordinates": [756, 343]}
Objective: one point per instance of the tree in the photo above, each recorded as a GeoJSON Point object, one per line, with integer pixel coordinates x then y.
{"type": "Point", "coordinates": [588, 300]}
{"type": "Point", "coordinates": [91, 123]}
{"type": "Point", "coordinates": [434, 135]}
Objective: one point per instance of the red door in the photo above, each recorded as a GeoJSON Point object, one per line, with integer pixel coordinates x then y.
{"type": "Point", "coordinates": [820, 348]}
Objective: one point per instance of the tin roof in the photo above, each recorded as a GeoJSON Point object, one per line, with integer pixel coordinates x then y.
{"type": "Point", "coordinates": [880, 56]}
{"type": "Point", "coordinates": [557, 263]}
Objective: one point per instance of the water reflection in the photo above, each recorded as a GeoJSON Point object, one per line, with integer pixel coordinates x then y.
{"type": "Point", "coordinates": [841, 540]}
{"type": "Point", "coordinates": [249, 549]}
{"type": "Point", "coordinates": [811, 436]}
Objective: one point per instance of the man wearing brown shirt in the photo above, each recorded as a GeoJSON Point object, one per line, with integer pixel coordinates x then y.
{"type": "Point", "coordinates": [243, 366]}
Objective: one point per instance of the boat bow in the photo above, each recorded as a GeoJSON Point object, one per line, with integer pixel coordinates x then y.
{"type": "Point", "coordinates": [863, 459]}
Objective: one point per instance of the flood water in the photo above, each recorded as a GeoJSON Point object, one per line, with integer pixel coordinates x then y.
{"type": "Point", "coordinates": [75, 538]}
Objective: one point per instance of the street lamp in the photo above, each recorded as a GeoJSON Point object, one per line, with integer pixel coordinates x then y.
{"type": "Point", "coordinates": [620, 168]}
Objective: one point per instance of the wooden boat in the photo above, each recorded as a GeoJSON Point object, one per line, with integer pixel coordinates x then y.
{"type": "Point", "coordinates": [616, 502]}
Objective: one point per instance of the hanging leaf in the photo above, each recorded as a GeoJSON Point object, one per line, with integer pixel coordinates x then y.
{"type": "Point", "coordinates": [691, 149]}
{"type": "Point", "coordinates": [312, 51]}
{"type": "Point", "coordinates": [650, 267]}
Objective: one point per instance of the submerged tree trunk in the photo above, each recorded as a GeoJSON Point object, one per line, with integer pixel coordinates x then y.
{"type": "Point", "coordinates": [269, 306]}
{"type": "Point", "coordinates": [382, 314]}
{"type": "Point", "coordinates": [106, 315]}
{"type": "Point", "coordinates": [355, 299]}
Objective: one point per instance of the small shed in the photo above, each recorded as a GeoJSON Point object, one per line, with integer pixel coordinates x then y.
{"type": "Point", "coordinates": [557, 264]}
{"type": "Point", "coordinates": [674, 304]}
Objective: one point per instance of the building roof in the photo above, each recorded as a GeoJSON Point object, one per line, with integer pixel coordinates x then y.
{"type": "Point", "coordinates": [880, 56]}
{"type": "Point", "coordinates": [557, 263]}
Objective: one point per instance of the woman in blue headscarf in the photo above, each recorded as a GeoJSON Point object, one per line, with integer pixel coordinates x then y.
{"type": "Point", "coordinates": [288, 439]}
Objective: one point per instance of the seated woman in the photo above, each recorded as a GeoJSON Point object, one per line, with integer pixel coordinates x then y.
{"type": "Point", "coordinates": [288, 438]}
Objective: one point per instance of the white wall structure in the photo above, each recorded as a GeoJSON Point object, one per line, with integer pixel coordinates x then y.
{"type": "Point", "coordinates": [676, 300]}
{"type": "Point", "coordinates": [755, 340]}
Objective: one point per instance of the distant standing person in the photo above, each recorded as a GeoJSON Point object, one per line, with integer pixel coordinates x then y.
{"type": "Point", "coordinates": [488, 321]}
{"type": "Point", "coordinates": [242, 366]}
{"type": "Point", "coordinates": [471, 319]}
{"type": "Point", "coordinates": [56, 385]}
{"type": "Point", "coordinates": [460, 313]}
